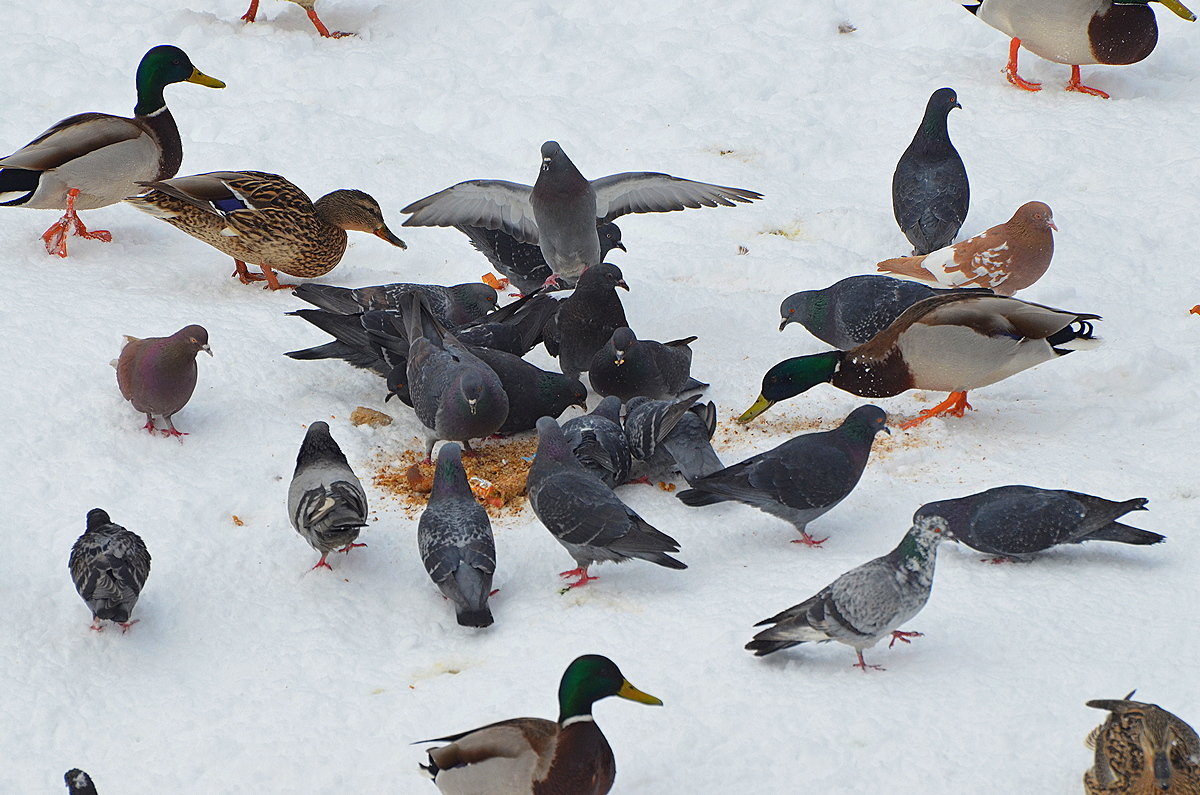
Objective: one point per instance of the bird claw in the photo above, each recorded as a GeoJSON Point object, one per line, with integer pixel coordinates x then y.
{"type": "Point", "coordinates": [321, 564]}
{"type": "Point", "coordinates": [346, 549]}
{"type": "Point", "coordinates": [125, 625]}
{"type": "Point", "coordinates": [809, 541]}
{"type": "Point", "coordinates": [581, 573]}
{"type": "Point", "coordinates": [903, 637]}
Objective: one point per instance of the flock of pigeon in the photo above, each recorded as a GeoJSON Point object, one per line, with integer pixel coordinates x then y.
{"type": "Point", "coordinates": [456, 357]}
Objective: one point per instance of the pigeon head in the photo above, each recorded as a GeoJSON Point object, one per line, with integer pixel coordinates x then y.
{"type": "Point", "coordinates": [610, 238]}
{"type": "Point", "coordinates": [471, 389]}
{"type": "Point", "coordinates": [318, 445]}
{"type": "Point", "coordinates": [924, 536]}
{"type": "Point", "coordinates": [356, 211]}
{"type": "Point", "coordinates": [791, 377]}
{"type": "Point", "coordinates": [941, 102]}
{"type": "Point", "coordinates": [97, 518]}
{"type": "Point", "coordinates": [558, 387]}
{"type": "Point", "coordinates": [476, 298]}
{"type": "Point", "coordinates": [866, 421]}
{"type": "Point", "coordinates": [602, 276]}
{"type": "Point", "coordinates": [78, 782]}
{"type": "Point", "coordinates": [397, 384]}
{"type": "Point", "coordinates": [1034, 217]}
{"type": "Point", "coordinates": [609, 409]}
{"type": "Point", "coordinates": [622, 339]}
{"type": "Point", "coordinates": [553, 156]}
{"type": "Point", "coordinates": [449, 478]}
{"type": "Point", "coordinates": [593, 677]}
{"type": "Point", "coordinates": [194, 338]}
{"type": "Point", "coordinates": [807, 306]}
{"type": "Point", "coordinates": [551, 442]}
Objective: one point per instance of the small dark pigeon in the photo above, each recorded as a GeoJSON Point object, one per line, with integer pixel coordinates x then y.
{"type": "Point", "coordinates": [79, 783]}
{"type": "Point", "coordinates": [662, 434]}
{"type": "Point", "coordinates": [628, 367]}
{"type": "Point", "coordinates": [599, 442]}
{"type": "Point", "coordinates": [532, 392]}
{"type": "Point", "coordinates": [109, 565]}
{"type": "Point", "coordinates": [930, 195]}
{"type": "Point", "coordinates": [586, 516]}
{"type": "Point", "coordinates": [800, 479]}
{"type": "Point", "coordinates": [561, 210]}
{"type": "Point", "coordinates": [867, 603]}
{"type": "Point", "coordinates": [586, 320]}
{"type": "Point", "coordinates": [158, 374]}
{"type": "Point", "coordinates": [1015, 522]}
{"type": "Point", "coordinates": [523, 263]}
{"type": "Point", "coordinates": [326, 502]}
{"type": "Point", "coordinates": [455, 540]}
{"type": "Point", "coordinates": [452, 306]}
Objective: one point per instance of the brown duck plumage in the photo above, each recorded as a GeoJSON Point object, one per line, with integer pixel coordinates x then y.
{"type": "Point", "coordinates": [1141, 749]}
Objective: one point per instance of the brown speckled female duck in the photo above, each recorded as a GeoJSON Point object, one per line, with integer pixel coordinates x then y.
{"type": "Point", "coordinates": [1141, 749]}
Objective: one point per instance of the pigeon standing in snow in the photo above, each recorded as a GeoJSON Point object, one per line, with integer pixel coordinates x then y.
{"type": "Point", "coordinates": [1018, 521]}
{"type": "Point", "coordinates": [455, 539]}
{"type": "Point", "coordinates": [523, 263]}
{"type": "Point", "coordinates": [599, 443]}
{"type": "Point", "coordinates": [79, 783]}
{"type": "Point", "coordinates": [1141, 749]}
{"type": "Point", "coordinates": [158, 374]}
{"type": "Point", "coordinates": [586, 320]}
{"type": "Point", "coordinates": [109, 565]}
{"type": "Point", "coordinates": [866, 604]}
{"type": "Point", "coordinates": [930, 195]}
{"type": "Point", "coordinates": [452, 306]}
{"type": "Point", "coordinates": [326, 503]}
{"type": "Point", "coordinates": [560, 212]}
{"type": "Point", "coordinates": [586, 516]}
{"type": "Point", "coordinates": [662, 433]}
{"type": "Point", "coordinates": [800, 479]}
{"type": "Point", "coordinates": [628, 367]}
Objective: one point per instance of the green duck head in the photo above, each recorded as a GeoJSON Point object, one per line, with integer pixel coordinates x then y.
{"type": "Point", "coordinates": [161, 66]}
{"type": "Point", "coordinates": [791, 377]}
{"type": "Point", "coordinates": [590, 678]}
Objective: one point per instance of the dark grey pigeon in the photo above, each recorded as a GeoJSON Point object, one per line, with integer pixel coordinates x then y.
{"type": "Point", "coordinates": [599, 442]}
{"type": "Point", "coordinates": [455, 540]}
{"type": "Point", "coordinates": [586, 319]}
{"type": "Point", "coordinates": [562, 209]}
{"type": "Point", "coordinates": [452, 306]}
{"type": "Point", "coordinates": [800, 479]}
{"type": "Point", "coordinates": [1019, 521]}
{"type": "Point", "coordinates": [455, 395]}
{"type": "Point", "coordinates": [586, 516]}
{"type": "Point", "coordinates": [532, 392]}
{"type": "Point", "coordinates": [109, 565]}
{"type": "Point", "coordinates": [664, 434]}
{"type": "Point", "coordinates": [326, 503]}
{"type": "Point", "coordinates": [628, 367]}
{"type": "Point", "coordinates": [79, 783]}
{"type": "Point", "coordinates": [158, 374]}
{"type": "Point", "coordinates": [866, 604]}
{"type": "Point", "coordinates": [523, 263]}
{"type": "Point", "coordinates": [929, 188]}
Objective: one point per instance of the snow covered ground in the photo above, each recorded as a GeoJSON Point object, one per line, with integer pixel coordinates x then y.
{"type": "Point", "coordinates": [249, 674]}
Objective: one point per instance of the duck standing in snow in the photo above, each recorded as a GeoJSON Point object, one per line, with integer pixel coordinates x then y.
{"type": "Point", "coordinates": [310, 8]}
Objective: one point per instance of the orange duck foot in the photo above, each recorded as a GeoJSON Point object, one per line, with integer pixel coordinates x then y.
{"type": "Point", "coordinates": [1010, 69]}
{"type": "Point", "coordinates": [954, 405]}
{"type": "Point", "coordinates": [55, 237]}
{"type": "Point", "coordinates": [495, 282]}
{"type": "Point", "coordinates": [324, 31]}
{"type": "Point", "coordinates": [1195, 310]}
{"type": "Point", "coordinates": [1075, 85]}
{"type": "Point", "coordinates": [246, 277]}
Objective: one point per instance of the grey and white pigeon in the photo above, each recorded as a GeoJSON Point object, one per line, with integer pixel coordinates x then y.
{"type": "Point", "coordinates": [1016, 522]}
{"type": "Point", "coordinates": [586, 516]}
{"type": "Point", "coordinates": [326, 502]}
{"type": "Point", "coordinates": [930, 194]}
{"type": "Point", "coordinates": [158, 374]}
{"type": "Point", "coordinates": [802, 478]}
{"type": "Point", "coordinates": [523, 263]}
{"type": "Point", "coordinates": [598, 442]}
{"type": "Point", "coordinates": [663, 433]}
{"type": "Point", "coordinates": [628, 367]}
{"type": "Point", "coordinates": [561, 210]}
{"type": "Point", "coordinates": [109, 565]}
{"type": "Point", "coordinates": [455, 395]}
{"type": "Point", "coordinates": [78, 782]}
{"type": "Point", "coordinates": [586, 319]}
{"type": "Point", "coordinates": [866, 604]}
{"type": "Point", "coordinates": [455, 539]}
{"type": "Point", "coordinates": [453, 306]}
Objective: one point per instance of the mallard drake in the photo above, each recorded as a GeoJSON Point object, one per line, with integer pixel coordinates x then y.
{"type": "Point", "coordinates": [1142, 749]}
{"type": "Point", "coordinates": [310, 7]}
{"type": "Point", "coordinates": [93, 160]}
{"type": "Point", "coordinates": [1075, 32]}
{"type": "Point", "coordinates": [953, 342]}
{"type": "Point", "coordinates": [533, 755]}
{"type": "Point", "coordinates": [265, 220]}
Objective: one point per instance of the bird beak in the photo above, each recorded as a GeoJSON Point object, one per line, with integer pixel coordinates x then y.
{"type": "Point", "coordinates": [633, 694]}
{"type": "Point", "coordinates": [783, 325]}
{"type": "Point", "coordinates": [200, 78]}
{"type": "Point", "coordinates": [886, 430]}
{"type": "Point", "coordinates": [956, 105]}
{"type": "Point", "coordinates": [1180, 9]}
{"type": "Point", "coordinates": [386, 234]}
{"type": "Point", "coordinates": [474, 406]}
{"type": "Point", "coordinates": [623, 285]}
{"type": "Point", "coordinates": [1050, 223]}
{"type": "Point", "coordinates": [760, 405]}
{"type": "Point", "coordinates": [206, 349]}
{"type": "Point", "coordinates": [621, 246]}
{"type": "Point", "coordinates": [620, 360]}
{"type": "Point", "coordinates": [390, 395]}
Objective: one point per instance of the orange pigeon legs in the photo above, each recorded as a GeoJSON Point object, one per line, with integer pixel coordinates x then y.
{"type": "Point", "coordinates": [1010, 71]}
{"type": "Point", "coordinates": [955, 404]}
{"type": "Point", "coordinates": [55, 237]}
{"type": "Point", "coordinates": [324, 31]}
{"type": "Point", "coordinates": [581, 573]}
{"type": "Point", "coordinates": [249, 17]}
{"type": "Point", "coordinates": [267, 275]}
{"type": "Point", "coordinates": [1075, 85]}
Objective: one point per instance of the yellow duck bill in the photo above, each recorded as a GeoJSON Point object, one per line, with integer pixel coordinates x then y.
{"type": "Point", "coordinates": [760, 405]}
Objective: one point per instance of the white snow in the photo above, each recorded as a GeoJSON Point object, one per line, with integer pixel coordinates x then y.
{"type": "Point", "coordinates": [247, 673]}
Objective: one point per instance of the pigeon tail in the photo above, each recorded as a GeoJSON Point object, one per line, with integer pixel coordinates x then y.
{"type": "Point", "coordinates": [696, 497]}
{"type": "Point", "coordinates": [1125, 534]}
{"type": "Point", "coordinates": [326, 296]}
{"type": "Point", "coordinates": [761, 648]}
{"type": "Point", "coordinates": [475, 618]}
{"type": "Point", "coordinates": [912, 267]}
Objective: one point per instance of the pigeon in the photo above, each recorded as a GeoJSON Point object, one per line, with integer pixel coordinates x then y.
{"type": "Point", "coordinates": [452, 306]}
{"type": "Point", "coordinates": [586, 320]}
{"type": "Point", "coordinates": [109, 565]}
{"type": "Point", "coordinates": [523, 263]}
{"type": "Point", "coordinates": [662, 433]}
{"type": "Point", "coordinates": [78, 782]}
{"type": "Point", "coordinates": [585, 515]}
{"type": "Point", "coordinates": [851, 312]}
{"type": "Point", "coordinates": [560, 212]}
{"type": "Point", "coordinates": [802, 478]}
{"type": "Point", "coordinates": [455, 539]}
{"type": "Point", "coordinates": [309, 7]}
{"type": "Point", "coordinates": [326, 503]}
{"type": "Point", "coordinates": [598, 442]}
{"type": "Point", "coordinates": [1007, 258]}
{"type": "Point", "coordinates": [456, 396]}
{"type": "Point", "coordinates": [158, 374]}
{"type": "Point", "coordinates": [532, 392]}
{"type": "Point", "coordinates": [866, 604]}
{"type": "Point", "coordinates": [1014, 522]}
{"type": "Point", "coordinates": [930, 195]}
{"type": "Point", "coordinates": [1142, 749]}
{"type": "Point", "coordinates": [628, 367]}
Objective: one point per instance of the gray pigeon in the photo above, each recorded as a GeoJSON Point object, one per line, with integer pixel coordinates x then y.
{"type": "Point", "coordinates": [586, 516]}
{"type": "Point", "coordinates": [455, 539]}
{"type": "Point", "coordinates": [158, 374]}
{"type": "Point", "coordinates": [930, 195]}
{"type": "Point", "coordinates": [662, 434]}
{"type": "Point", "coordinates": [109, 565]}
{"type": "Point", "coordinates": [599, 442]}
{"type": "Point", "coordinates": [78, 782]}
{"type": "Point", "coordinates": [800, 479]}
{"type": "Point", "coordinates": [1019, 521]}
{"type": "Point", "coordinates": [628, 367]}
{"type": "Point", "coordinates": [562, 209]}
{"type": "Point", "coordinates": [586, 320]}
{"type": "Point", "coordinates": [452, 306]}
{"type": "Point", "coordinates": [326, 503]}
{"type": "Point", "coordinates": [523, 263]}
{"type": "Point", "coordinates": [455, 395]}
{"type": "Point", "coordinates": [866, 604]}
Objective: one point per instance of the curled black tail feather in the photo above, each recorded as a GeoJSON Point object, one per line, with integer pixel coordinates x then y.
{"type": "Point", "coordinates": [761, 648]}
{"type": "Point", "coordinates": [1080, 329]}
{"type": "Point", "coordinates": [695, 497]}
{"type": "Point", "coordinates": [1125, 534]}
